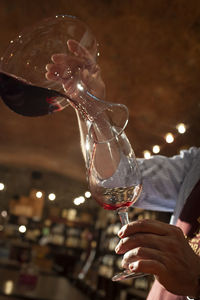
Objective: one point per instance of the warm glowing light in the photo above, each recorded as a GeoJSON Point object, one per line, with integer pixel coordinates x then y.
{"type": "Point", "coordinates": [71, 214]}
{"type": "Point", "coordinates": [76, 201]}
{"type": "Point", "coordinates": [87, 194]}
{"type": "Point", "coordinates": [147, 154]}
{"type": "Point", "coordinates": [39, 194]}
{"type": "Point", "coordinates": [156, 149]}
{"type": "Point", "coordinates": [8, 287]}
{"type": "Point", "coordinates": [2, 186]}
{"type": "Point", "coordinates": [169, 138]}
{"type": "Point", "coordinates": [181, 128]}
{"type": "Point", "coordinates": [52, 196]}
{"type": "Point", "coordinates": [79, 200]}
{"type": "Point", "coordinates": [22, 228]}
{"type": "Point", "coordinates": [4, 213]}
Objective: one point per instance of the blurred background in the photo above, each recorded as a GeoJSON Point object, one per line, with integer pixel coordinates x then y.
{"type": "Point", "coordinates": [49, 224]}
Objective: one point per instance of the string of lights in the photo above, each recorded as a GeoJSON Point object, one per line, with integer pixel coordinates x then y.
{"type": "Point", "coordinates": [169, 138]}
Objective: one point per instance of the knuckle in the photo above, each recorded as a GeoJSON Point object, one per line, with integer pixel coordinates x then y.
{"type": "Point", "coordinates": [126, 229]}
{"type": "Point", "coordinates": [143, 223]}
{"type": "Point", "coordinates": [138, 251]}
{"type": "Point", "coordinates": [124, 264]}
{"type": "Point", "coordinates": [178, 232]}
{"type": "Point", "coordinates": [124, 240]}
{"type": "Point", "coordinates": [129, 255]}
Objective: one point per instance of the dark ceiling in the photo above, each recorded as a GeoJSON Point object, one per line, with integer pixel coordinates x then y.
{"type": "Point", "coordinates": [150, 61]}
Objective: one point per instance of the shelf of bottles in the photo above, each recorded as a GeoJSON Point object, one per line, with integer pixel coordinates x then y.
{"type": "Point", "coordinates": [76, 244]}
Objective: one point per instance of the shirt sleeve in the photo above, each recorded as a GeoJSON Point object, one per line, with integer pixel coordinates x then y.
{"type": "Point", "coordinates": [162, 178]}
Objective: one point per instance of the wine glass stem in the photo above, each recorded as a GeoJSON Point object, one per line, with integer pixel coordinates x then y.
{"type": "Point", "coordinates": [123, 215]}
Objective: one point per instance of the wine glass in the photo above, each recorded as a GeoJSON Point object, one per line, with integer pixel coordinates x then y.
{"type": "Point", "coordinates": [113, 175]}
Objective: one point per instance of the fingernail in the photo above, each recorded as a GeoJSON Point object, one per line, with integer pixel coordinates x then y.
{"type": "Point", "coordinates": [124, 264]}
{"type": "Point", "coordinates": [133, 266]}
{"type": "Point", "coordinates": [116, 249]}
{"type": "Point", "coordinates": [121, 233]}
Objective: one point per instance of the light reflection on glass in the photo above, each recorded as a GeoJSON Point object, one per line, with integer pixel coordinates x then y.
{"type": "Point", "coordinates": [80, 87]}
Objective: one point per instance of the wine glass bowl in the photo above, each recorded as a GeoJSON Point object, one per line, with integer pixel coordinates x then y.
{"type": "Point", "coordinates": [114, 182]}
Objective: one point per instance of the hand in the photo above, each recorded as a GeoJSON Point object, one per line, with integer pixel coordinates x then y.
{"type": "Point", "coordinates": [79, 65]}
{"type": "Point", "coordinates": [161, 249]}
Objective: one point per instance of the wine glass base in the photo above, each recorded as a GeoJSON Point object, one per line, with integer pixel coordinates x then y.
{"type": "Point", "coordinates": [126, 275]}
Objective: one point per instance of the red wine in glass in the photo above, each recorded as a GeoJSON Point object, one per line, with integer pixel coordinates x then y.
{"type": "Point", "coordinates": [117, 197]}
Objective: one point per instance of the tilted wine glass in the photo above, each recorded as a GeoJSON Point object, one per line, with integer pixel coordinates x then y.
{"type": "Point", "coordinates": [113, 174]}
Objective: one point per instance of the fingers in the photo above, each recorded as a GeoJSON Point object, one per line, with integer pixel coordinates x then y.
{"type": "Point", "coordinates": [79, 65]}
{"type": "Point", "coordinates": [59, 58]}
{"type": "Point", "coordinates": [147, 226]}
{"type": "Point", "coordinates": [82, 53]}
{"type": "Point", "coordinates": [78, 50]}
{"type": "Point", "coordinates": [148, 266]}
{"type": "Point", "coordinates": [56, 72]}
{"type": "Point", "coordinates": [140, 240]}
{"type": "Point", "coordinates": [140, 253]}
{"type": "Point", "coordinates": [68, 60]}
{"type": "Point", "coordinates": [65, 66]}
